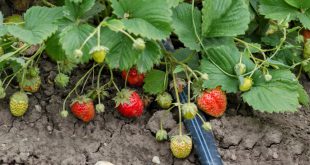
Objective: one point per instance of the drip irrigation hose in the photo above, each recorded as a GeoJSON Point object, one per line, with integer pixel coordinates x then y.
{"type": "Point", "coordinates": [204, 142]}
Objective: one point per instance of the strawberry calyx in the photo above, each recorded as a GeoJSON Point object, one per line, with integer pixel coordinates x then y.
{"type": "Point", "coordinates": [81, 100]}
{"type": "Point", "coordinates": [20, 97]}
{"type": "Point", "coordinates": [98, 49]}
{"type": "Point", "coordinates": [33, 72]}
{"type": "Point", "coordinates": [164, 100]}
{"type": "Point", "coordinates": [61, 80]}
{"type": "Point", "coordinates": [161, 135]}
{"type": "Point", "coordinates": [64, 113]}
{"type": "Point", "coordinates": [189, 110]}
{"type": "Point", "coordinates": [123, 97]}
{"type": "Point", "coordinates": [139, 44]}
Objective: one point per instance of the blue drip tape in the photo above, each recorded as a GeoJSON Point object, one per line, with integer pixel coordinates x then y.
{"type": "Point", "coordinates": [204, 142]}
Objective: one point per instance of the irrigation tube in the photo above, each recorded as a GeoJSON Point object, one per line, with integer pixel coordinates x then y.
{"type": "Point", "coordinates": [204, 142]}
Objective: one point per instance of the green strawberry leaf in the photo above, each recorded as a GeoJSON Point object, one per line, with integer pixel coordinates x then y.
{"type": "Point", "coordinates": [95, 10]}
{"type": "Point", "coordinates": [224, 18]}
{"type": "Point", "coordinates": [54, 49]}
{"type": "Point", "coordinates": [155, 82]}
{"type": "Point", "coordinates": [72, 38]}
{"type": "Point", "coordinates": [188, 57]}
{"type": "Point", "coordinates": [305, 18]}
{"type": "Point", "coordinates": [76, 1]}
{"type": "Point", "coordinates": [300, 4]}
{"type": "Point", "coordinates": [150, 56]}
{"type": "Point", "coordinates": [38, 24]}
{"type": "Point", "coordinates": [279, 10]}
{"type": "Point", "coordinates": [174, 3]}
{"type": "Point", "coordinates": [223, 59]}
{"type": "Point", "coordinates": [121, 53]}
{"type": "Point", "coordinates": [18, 61]}
{"type": "Point", "coordinates": [115, 25]}
{"type": "Point", "coordinates": [303, 96]}
{"type": "Point", "coordinates": [145, 18]}
{"type": "Point", "coordinates": [279, 95]}
{"type": "Point", "coordinates": [183, 25]}
{"type": "Point", "coordinates": [75, 11]}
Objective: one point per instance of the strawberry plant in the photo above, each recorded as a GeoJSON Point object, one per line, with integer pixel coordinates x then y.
{"type": "Point", "coordinates": [207, 48]}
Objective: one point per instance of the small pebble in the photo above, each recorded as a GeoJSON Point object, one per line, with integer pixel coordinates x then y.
{"type": "Point", "coordinates": [38, 108]}
{"type": "Point", "coordinates": [49, 128]}
{"type": "Point", "coordinates": [275, 155]}
{"type": "Point", "coordinates": [156, 160]}
{"type": "Point", "coordinates": [103, 163]}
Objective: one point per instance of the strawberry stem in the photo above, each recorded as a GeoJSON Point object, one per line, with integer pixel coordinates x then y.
{"type": "Point", "coordinates": [178, 102]}
{"type": "Point", "coordinates": [189, 87]}
{"type": "Point", "coordinates": [98, 83]}
{"type": "Point", "coordinates": [201, 118]}
{"type": "Point", "coordinates": [126, 79]}
{"type": "Point", "coordinates": [112, 80]}
{"type": "Point", "coordinates": [77, 84]}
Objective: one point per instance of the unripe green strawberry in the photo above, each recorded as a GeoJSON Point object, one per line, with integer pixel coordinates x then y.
{"type": "Point", "coordinates": [100, 108]}
{"type": "Point", "coordinates": [307, 49]}
{"type": "Point", "coordinates": [19, 104]}
{"type": "Point", "coordinates": [164, 100]}
{"type": "Point", "coordinates": [240, 68]}
{"type": "Point", "coordinates": [61, 80]}
{"type": "Point", "coordinates": [181, 146]}
{"type": "Point", "coordinates": [161, 135]}
{"type": "Point", "coordinates": [205, 76]}
{"type": "Point", "coordinates": [139, 44]}
{"type": "Point", "coordinates": [64, 113]}
{"type": "Point", "coordinates": [245, 84]}
{"type": "Point", "coordinates": [99, 53]}
{"type": "Point", "coordinates": [78, 53]}
{"type": "Point", "coordinates": [2, 91]}
{"type": "Point", "coordinates": [189, 110]}
{"type": "Point", "coordinates": [31, 84]}
{"type": "Point", "coordinates": [268, 77]}
{"type": "Point", "coordinates": [272, 29]}
{"type": "Point", "coordinates": [33, 72]}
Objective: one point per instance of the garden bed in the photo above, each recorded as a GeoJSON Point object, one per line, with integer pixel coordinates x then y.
{"type": "Point", "coordinates": [43, 137]}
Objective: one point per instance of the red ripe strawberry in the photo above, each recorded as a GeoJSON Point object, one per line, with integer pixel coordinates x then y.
{"type": "Point", "coordinates": [306, 34]}
{"type": "Point", "coordinates": [213, 102]}
{"type": "Point", "coordinates": [129, 103]}
{"type": "Point", "coordinates": [134, 78]}
{"type": "Point", "coordinates": [83, 108]}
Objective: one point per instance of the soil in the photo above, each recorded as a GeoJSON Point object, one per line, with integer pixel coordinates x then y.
{"type": "Point", "coordinates": [43, 137]}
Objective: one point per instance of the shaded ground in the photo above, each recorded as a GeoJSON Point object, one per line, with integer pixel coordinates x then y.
{"type": "Point", "coordinates": [43, 137]}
